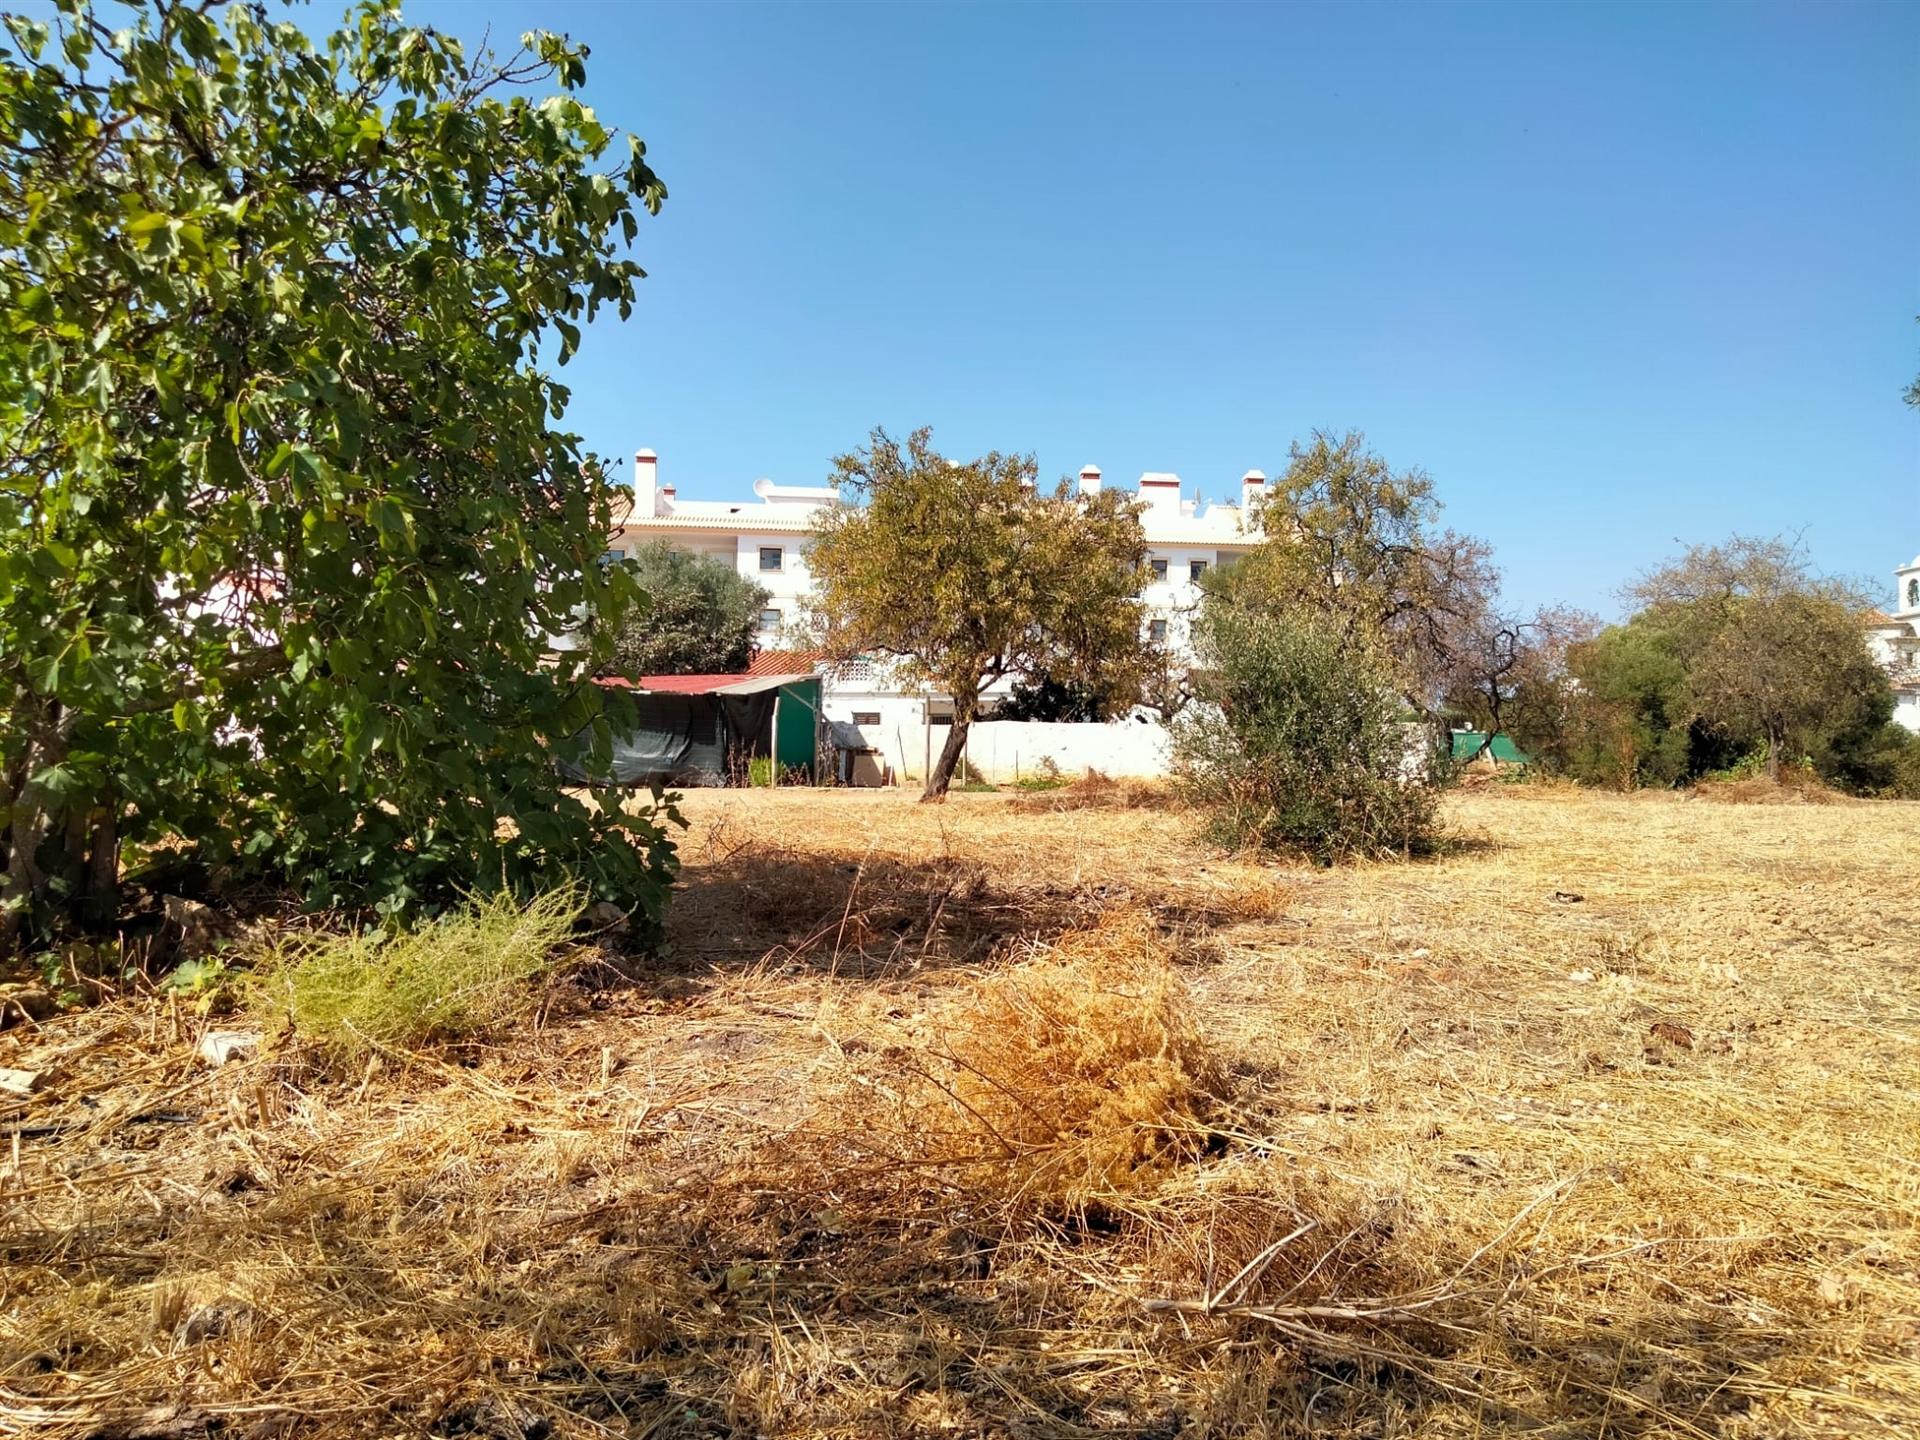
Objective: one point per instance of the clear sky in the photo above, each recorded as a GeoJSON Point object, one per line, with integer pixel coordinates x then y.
{"type": "Point", "coordinates": [1616, 276]}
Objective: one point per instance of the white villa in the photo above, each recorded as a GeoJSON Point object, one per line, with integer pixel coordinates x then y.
{"type": "Point", "coordinates": [1895, 641]}
{"type": "Point", "coordinates": [767, 537]}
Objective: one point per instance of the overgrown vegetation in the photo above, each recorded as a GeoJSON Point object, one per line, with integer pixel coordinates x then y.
{"type": "Point", "coordinates": [464, 976]}
{"type": "Point", "coordinates": [1734, 650]}
{"type": "Point", "coordinates": [285, 523]}
{"type": "Point", "coordinates": [1300, 740]}
{"type": "Point", "coordinates": [1323, 653]}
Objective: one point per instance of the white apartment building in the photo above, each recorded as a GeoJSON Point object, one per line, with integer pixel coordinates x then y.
{"type": "Point", "coordinates": [1895, 642]}
{"type": "Point", "coordinates": [767, 539]}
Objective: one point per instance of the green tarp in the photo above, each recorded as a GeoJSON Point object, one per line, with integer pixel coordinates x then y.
{"type": "Point", "coordinates": [1467, 743]}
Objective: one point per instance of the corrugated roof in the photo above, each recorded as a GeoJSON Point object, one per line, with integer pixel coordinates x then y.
{"type": "Point", "coordinates": [730, 684]}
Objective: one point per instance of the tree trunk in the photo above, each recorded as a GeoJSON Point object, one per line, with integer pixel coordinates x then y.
{"type": "Point", "coordinates": [949, 760]}
{"type": "Point", "coordinates": [100, 893]}
{"type": "Point", "coordinates": [1774, 742]}
{"type": "Point", "coordinates": [22, 880]}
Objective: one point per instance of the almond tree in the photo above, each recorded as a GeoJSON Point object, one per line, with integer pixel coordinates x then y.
{"type": "Point", "coordinates": [965, 573]}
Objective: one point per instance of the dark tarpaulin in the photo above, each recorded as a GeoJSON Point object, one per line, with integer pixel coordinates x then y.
{"type": "Point", "coordinates": [675, 740]}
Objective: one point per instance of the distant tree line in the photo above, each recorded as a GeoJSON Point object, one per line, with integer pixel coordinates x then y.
{"type": "Point", "coordinates": [1734, 656]}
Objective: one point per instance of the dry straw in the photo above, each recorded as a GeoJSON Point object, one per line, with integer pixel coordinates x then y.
{"type": "Point", "coordinates": [992, 1122]}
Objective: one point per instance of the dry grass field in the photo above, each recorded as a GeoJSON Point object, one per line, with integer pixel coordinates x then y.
{"type": "Point", "coordinates": [1026, 1117]}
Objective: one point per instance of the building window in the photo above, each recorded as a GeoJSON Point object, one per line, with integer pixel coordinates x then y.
{"type": "Point", "coordinates": [769, 619]}
{"type": "Point", "coordinates": [1913, 594]}
{"type": "Point", "coordinates": [1160, 569]}
{"type": "Point", "coordinates": [772, 557]}
{"type": "Point", "coordinates": [612, 557]}
{"type": "Point", "coordinates": [866, 717]}
{"type": "Point", "coordinates": [1157, 631]}
{"type": "Point", "coordinates": [1195, 569]}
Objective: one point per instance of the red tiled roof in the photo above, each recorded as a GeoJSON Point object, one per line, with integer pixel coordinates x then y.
{"type": "Point", "coordinates": [675, 684]}
{"type": "Point", "coordinates": [767, 662]}
{"type": "Point", "coordinates": [786, 662]}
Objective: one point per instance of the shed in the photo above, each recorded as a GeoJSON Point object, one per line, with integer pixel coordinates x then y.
{"type": "Point", "coordinates": [707, 729]}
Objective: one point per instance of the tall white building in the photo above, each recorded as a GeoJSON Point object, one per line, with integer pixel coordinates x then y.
{"type": "Point", "coordinates": [767, 539]}
{"type": "Point", "coordinates": [1895, 641]}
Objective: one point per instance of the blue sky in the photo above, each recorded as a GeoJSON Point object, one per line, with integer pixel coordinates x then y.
{"type": "Point", "coordinates": [1616, 276]}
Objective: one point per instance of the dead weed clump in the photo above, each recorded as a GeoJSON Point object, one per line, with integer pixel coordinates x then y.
{"type": "Point", "coordinates": [1793, 786]}
{"type": "Point", "coordinates": [1095, 791]}
{"type": "Point", "coordinates": [1067, 1080]}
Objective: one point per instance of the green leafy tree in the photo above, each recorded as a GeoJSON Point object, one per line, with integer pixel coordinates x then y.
{"type": "Point", "coordinates": [1791, 669]}
{"type": "Point", "coordinates": [284, 520]}
{"type": "Point", "coordinates": [1628, 721]}
{"type": "Point", "coordinates": [1774, 654]}
{"type": "Point", "coordinates": [965, 573]}
{"type": "Point", "coordinates": [700, 617]}
{"type": "Point", "coordinates": [1348, 538]}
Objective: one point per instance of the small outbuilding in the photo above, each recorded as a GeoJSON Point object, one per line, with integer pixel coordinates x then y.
{"type": "Point", "coordinates": [701, 730]}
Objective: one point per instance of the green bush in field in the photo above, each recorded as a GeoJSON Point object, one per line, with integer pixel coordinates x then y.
{"type": "Point", "coordinates": [463, 976]}
{"type": "Point", "coordinates": [1300, 741]}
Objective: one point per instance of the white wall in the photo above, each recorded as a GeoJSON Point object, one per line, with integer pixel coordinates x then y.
{"type": "Point", "coordinates": [787, 587]}
{"type": "Point", "coordinates": [1005, 750]}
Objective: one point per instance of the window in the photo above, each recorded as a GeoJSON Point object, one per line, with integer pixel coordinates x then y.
{"type": "Point", "coordinates": [1195, 569]}
{"type": "Point", "coordinates": [772, 557]}
{"type": "Point", "coordinates": [1159, 569]}
{"type": "Point", "coordinates": [1158, 632]}
{"type": "Point", "coordinates": [1913, 594]}
{"type": "Point", "coordinates": [769, 619]}
{"type": "Point", "coordinates": [866, 717]}
{"type": "Point", "coordinates": [612, 557]}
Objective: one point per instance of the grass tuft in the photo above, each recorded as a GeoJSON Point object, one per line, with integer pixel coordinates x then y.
{"type": "Point", "coordinates": [461, 977]}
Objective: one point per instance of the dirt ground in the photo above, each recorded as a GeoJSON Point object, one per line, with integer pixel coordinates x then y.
{"type": "Point", "coordinates": [1024, 1117]}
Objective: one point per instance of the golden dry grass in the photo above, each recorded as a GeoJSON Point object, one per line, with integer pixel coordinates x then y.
{"type": "Point", "coordinates": [989, 1119]}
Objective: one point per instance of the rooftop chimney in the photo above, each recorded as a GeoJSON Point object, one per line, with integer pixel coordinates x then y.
{"type": "Point", "coordinates": [1089, 479]}
{"type": "Point", "coordinates": [1253, 488]}
{"type": "Point", "coordinates": [1160, 490]}
{"type": "Point", "coordinates": [646, 477]}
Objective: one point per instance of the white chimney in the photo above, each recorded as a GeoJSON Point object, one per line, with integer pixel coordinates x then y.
{"type": "Point", "coordinates": [1253, 488]}
{"type": "Point", "coordinates": [1089, 479]}
{"type": "Point", "coordinates": [1160, 490]}
{"type": "Point", "coordinates": [646, 479]}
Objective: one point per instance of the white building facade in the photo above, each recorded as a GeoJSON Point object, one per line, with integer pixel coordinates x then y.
{"type": "Point", "coordinates": [767, 540]}
{"type": "Point", "coordinates": [1895, 641]}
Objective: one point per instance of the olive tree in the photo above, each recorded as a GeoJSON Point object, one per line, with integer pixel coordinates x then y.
{"type": "Point", "coordinates": [964, 572]}
{"type": "Point", "coordinates": [700, 616]}
{"type": "Point", "coordinates": [285, 519]}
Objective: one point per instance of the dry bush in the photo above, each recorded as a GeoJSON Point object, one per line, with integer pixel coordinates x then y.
{"type": "Point", "coordinates": [1095, 791]}
{"type": "Point", "coordinates": [1794, 786]}
{"type": "Point", "coordinates": [1068, 1079]}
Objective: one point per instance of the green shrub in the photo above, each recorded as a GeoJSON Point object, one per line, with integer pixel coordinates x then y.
{"type": "Point", "coordinates": [460, 977]}
{"type": "Point", "coordinates": [1299, 742]}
